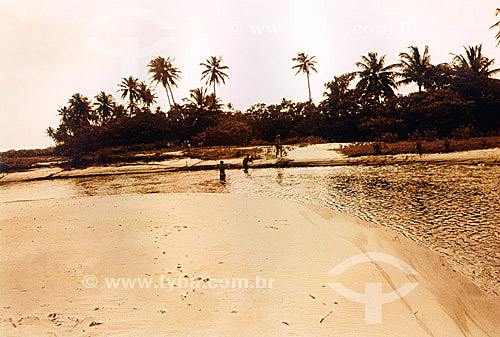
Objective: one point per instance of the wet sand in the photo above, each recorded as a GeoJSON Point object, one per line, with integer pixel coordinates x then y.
{"type": "Point", "coordinates": [49, 246]}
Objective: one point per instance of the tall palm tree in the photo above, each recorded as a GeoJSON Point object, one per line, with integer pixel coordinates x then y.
{"type": "Point", "coordinates": [157, 68]}
{"type": "Point", "coordinates": [104, 106]}
{"type": "Point", "coordinates": [130, 87]}
{"type": "Point", "coordinates": [376, 78]}
{"type": "Point", "coordinates": [305, 65]}
{"type": "Point", "coordinates": [163, 72]}
{"type": "Point", "coordinates": [414, 66]}
{"type": "Point", "coordinates": [475, 61]}
{"type": "Point", "coordinates": [172, 74]}
{"type": "Point", "coordinates": [213, 72]}
{"type": "Point", "coordinates": [497, 25]}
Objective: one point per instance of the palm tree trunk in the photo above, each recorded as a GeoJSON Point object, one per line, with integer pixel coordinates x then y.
{"type": "Point", "coordinates": [131, 104]}
{"type": "Point", "coordinates": [168, 97]}
{"type": "Point", "coordinates": [215, 95]}
{"type": "Point", "coordinates": [171, 94]}
{"type": "Point", "coordinates": [309, 87]}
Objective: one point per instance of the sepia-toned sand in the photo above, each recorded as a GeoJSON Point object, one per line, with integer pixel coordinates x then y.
{"type": "Point", "coordinates": [49, 246]}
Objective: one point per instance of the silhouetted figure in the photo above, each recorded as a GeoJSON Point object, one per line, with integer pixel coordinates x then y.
{"type": "Point", "coordinates": [222, 170]}
{"type": "Point", "coordinates": [279, 148]}
{"type": "Point", "coordinates": [246, 160]}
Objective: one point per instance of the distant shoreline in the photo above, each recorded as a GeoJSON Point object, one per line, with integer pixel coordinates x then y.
{"type": "Point", "coordinates": [307, 156]}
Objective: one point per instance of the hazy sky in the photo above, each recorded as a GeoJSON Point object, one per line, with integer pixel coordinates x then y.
{"type": "Point", "coordinates": [52, 49]}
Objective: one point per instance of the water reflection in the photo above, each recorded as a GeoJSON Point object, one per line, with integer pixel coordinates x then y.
{"type": "Point", "coordinates": [279, 176]}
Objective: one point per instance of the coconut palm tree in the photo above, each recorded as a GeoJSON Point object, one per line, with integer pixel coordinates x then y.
{"type": "Point", "coordinates": [414, 66]}
{"type": "Point", "coordinates": [119, 110]}
{"type": "Point", "coordinates": [376, 79]}
{"type": "Point", "coordinates": [51, 133]}
{"type": "Point", "coordinates": [213, 103]}
{"type": "Point", "coordinates": [80, 111]}
{"type": "Point", "coordinates": [475, 61]}
{"type": "Point", "coordinates": [163, 72]}
{"type": "Point", "coordinates": [213, 72]}
{"type": "Point", "coordinates": [305, 65]}
{"type": "Point", "coordinates": [104, 106]}
{"type": "Point", "coordinates": [130, 87]}
{"type": "Point", "coordinates": [172, 74]}
{"type": "Point", "coordinates": [497, 25]}
{"type": "Point", "coordinates": [64, 112]}
{"type": "Point", "coordinates": [145, 94]}
{"type": "Point", "coordinates": [197, 98]}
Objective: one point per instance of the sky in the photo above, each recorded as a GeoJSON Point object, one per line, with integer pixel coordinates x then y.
{"type": "Point", "coordinates": [54, 48]}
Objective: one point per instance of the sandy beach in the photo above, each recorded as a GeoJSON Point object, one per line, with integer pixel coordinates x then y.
{"type": "Point", "coordinates": [50, 246]}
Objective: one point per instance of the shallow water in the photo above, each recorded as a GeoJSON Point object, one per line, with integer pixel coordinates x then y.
{"type": "Point", "coordinates": [452, 209]}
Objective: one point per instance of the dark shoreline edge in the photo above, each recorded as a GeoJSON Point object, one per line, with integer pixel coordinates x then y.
{"type": "Point", "coordinates": [280, 163]}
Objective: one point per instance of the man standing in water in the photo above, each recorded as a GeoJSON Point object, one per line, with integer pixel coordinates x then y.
{"type": "Point", "coordinates": [246, 160]}
{"type": "Point", "coordinates": [279, 148]}
{"type": "Point", "coordinates": [222, 170]}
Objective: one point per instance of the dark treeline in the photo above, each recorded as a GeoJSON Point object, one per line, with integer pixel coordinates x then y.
{"type": "Point", "coordinates": [459, 99]}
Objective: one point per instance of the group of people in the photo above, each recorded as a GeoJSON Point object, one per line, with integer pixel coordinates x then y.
{"type": "Point", "coordinates": [222, 167]}
{"type": "Point", "coordinates": [248, 159]}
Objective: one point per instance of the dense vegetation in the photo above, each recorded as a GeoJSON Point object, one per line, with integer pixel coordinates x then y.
{"type": "Point", "coordinates": [459, 99]}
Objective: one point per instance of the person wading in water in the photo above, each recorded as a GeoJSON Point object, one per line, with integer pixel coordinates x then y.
{"type": "Point", "coordinates": [246, 160]}
{"type": "Point", "coordinates": [222, 171]}
{"type": "Point", "coordinates": [279, 148]}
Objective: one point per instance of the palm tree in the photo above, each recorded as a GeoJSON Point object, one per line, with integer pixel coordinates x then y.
{"type": "Point", "coordinates": [414, 66]}
{"type": "Point", "coordinates": [64, 112]}
{"type": "Point", "coordinates": [51, 133]}
{"type": "Point", "coordinates": [145, 94]}
{"type": "Point", "coordinates": [376, 78]}
{"type": "Point", "coordinates": [475, 61]}
{"type": "Point", "coordinates": [80, 110]}
{"type": "Point", "coordinates": [164, 73]}
{"type": "Point", "coordinates": [497, 25]}
{"type": "Point", "coordinates": [130, 87]}
{"type": "Point", "coordinates": [104, 106]}
{"type": "Point", "coordinates": [198, 98]}
{"type": "Point", "coordinates": [214, 71]}
{"type": "Point", "coordinates": [119, 111]}
{"type": "Point", "coordinates": [213, 102]}
{"type": "Point", "coordinates": [305, 64]}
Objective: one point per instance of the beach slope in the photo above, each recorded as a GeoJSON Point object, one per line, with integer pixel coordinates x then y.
{"type": "Point", "coordinates": [285, 250]}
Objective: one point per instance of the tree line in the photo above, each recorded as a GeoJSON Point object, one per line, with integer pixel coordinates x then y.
{"type": "Point", "coordinates": [460, 98]}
